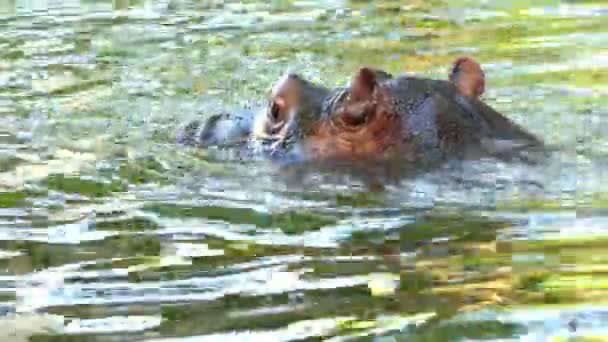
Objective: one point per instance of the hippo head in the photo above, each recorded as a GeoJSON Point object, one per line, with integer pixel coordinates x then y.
{"type": "Point", "coordinates": [295, 105]}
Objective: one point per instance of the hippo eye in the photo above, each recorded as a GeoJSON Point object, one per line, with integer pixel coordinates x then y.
{"type": "Point", "coordinates": [362, 116]}
{"type": "Point", "coordinates": [356, 115]}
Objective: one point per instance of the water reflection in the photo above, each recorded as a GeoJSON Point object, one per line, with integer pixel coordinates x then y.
{"type": "Point", "coordinates": [107, 228]}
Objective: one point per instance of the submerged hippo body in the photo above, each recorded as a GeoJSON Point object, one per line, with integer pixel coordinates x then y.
{"type": "Point", "coordinates": [376, 117]}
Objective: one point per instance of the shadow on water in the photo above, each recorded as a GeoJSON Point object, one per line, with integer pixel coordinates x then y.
{"type": "Point", "coordinates": [109, 231]}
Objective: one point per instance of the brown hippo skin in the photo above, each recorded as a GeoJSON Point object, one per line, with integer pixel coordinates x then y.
{"type": "Point", "coordinates": [295, 108]}
{"type": "Point", "coordinates": [376, 117]}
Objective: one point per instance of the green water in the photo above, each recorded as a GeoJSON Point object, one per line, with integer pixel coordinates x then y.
{"type": "Point", "coordinates": [111, 232]}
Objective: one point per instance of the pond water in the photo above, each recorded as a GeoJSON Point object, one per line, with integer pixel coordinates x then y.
{"type": "Point", "coordinates": [109, 231]}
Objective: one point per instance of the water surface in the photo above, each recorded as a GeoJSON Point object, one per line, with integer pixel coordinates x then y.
{"type": "Point", "coordinates": [111, 232]}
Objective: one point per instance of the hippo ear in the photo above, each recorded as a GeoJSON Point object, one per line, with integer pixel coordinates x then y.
{"type": "Point", "coordinates": [468, 77]}
{"type": "Point", "coordinates": [364, 84]}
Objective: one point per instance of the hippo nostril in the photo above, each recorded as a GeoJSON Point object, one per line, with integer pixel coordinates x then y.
{"type": "Point", "coordinates": [356, 115]}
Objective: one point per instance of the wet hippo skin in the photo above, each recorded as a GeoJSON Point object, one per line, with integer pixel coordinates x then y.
{"type": "Point", "coordinates": [375, 117]}
{"type": "Point", "coordinates": [416, 119]}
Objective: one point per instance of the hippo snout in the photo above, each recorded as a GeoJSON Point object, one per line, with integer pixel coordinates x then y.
{"type": "Point", "coordinates": [223, 129]}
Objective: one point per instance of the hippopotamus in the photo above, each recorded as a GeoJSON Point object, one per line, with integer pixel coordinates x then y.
{"type": "Point", "coordinates": [376, 117]}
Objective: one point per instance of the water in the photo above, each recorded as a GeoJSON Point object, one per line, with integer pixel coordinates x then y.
{"type": "Point", "coordinates": [110, 232]}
